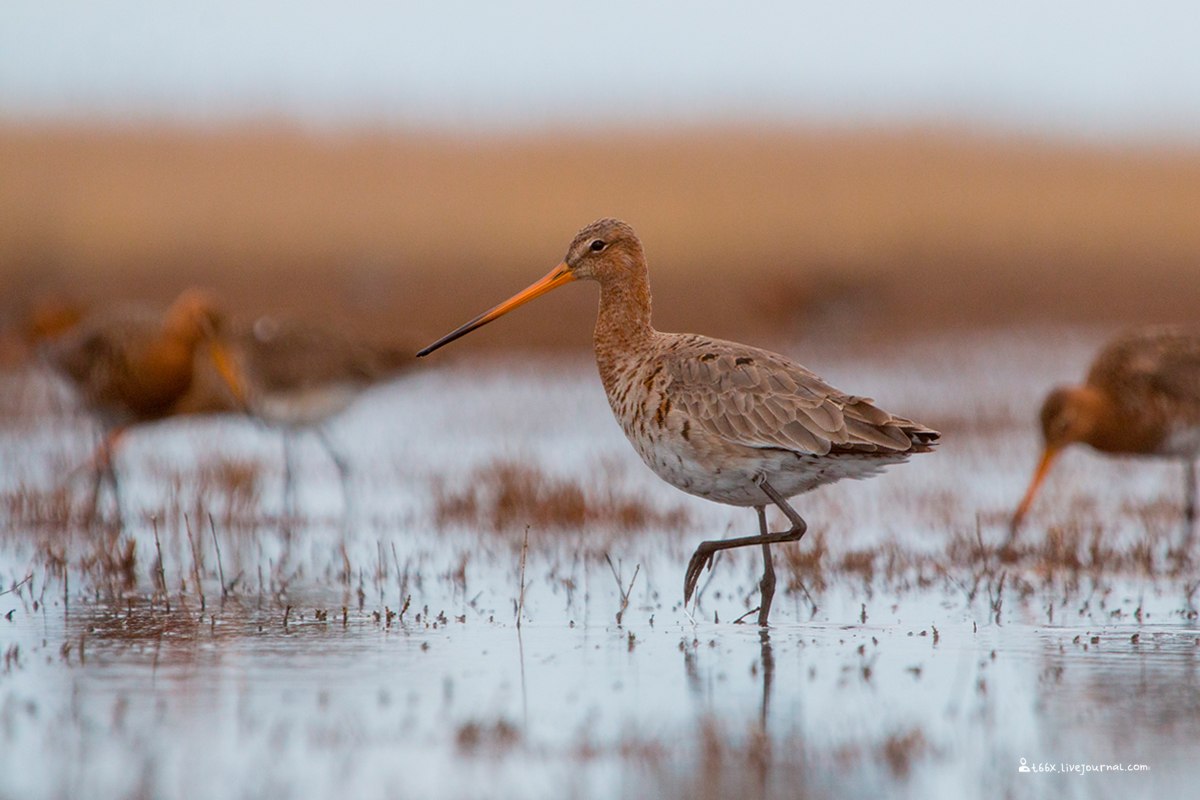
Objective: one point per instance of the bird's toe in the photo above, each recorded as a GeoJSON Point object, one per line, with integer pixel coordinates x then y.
{"type": "Point", "coordinates": [703, 557]}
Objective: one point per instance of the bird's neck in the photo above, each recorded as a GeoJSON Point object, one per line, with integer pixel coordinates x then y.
{"type": "Point", "coordinates": [180, 332]}
{"type": "Point", "coordinates": [622, 324]}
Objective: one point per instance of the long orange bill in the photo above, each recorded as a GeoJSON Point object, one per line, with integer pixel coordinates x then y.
{"type": "Point", "coordinates": [1039, 475]}
{"type": "Point", "coordinates": [553, 279]}
{"type": "Point", "coordinates": [228, 371]}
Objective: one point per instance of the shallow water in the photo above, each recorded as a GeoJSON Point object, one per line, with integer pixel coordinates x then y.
{"type": "Point", "coordinates": [373, 651]}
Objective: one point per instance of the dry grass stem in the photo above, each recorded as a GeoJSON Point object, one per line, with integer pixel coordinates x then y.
{"type": "Point", "coordinates": [624, 591]}
{"type": "Point", "coordinates": [521, 594]}
{"type": "Point", "coordinates": [212, 526]}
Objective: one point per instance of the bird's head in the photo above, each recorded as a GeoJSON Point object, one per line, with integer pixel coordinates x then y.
{"type": "Point", "coordinates": [196, 317]}
{"type": "Point", "coordinates": [1069, 414]}
{"type": "Point", "coordinates": [606, 251]}
{"type": "Point", "coordinates": [50, 316]}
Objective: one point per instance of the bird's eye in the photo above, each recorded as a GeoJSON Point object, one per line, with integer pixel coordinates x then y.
{"type": "Point", "coordinates": [598, 245]}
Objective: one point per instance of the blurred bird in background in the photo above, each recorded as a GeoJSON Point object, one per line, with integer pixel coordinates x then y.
{"type": "Point", "coordinates": [301, 375]}
{"type": "Point", "coordinates": [1141, 397]}
{"type": "Point", "coordinates": [134, 365]}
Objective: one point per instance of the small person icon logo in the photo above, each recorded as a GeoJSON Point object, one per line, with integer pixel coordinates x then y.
{"type": "Point", "coordinates": [1024, 767]}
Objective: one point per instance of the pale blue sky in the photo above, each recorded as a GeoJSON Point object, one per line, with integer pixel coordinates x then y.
{"type": "Point", "coordinates": [1095, 69]}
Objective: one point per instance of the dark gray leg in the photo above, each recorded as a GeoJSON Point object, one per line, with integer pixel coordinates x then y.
{"type": "Point", "coordinates": [766, 586]}
{"type": "Point", "coordinates": [98, 467]}
{"type": "Point", "coordinates": [98, 476]}
{"type": "Point", "coordinates": [1189, 504]}
{"type": "Point", "coordinates": [288, 512]}
{"type": "Point", "coordinates": [116, 493]}
{"type": "Point", "coordinates": [343, 469]}
{"type": "Point", "coordinates": [105, 472]}
{"type": "Point", "coordinates": [704, 553]}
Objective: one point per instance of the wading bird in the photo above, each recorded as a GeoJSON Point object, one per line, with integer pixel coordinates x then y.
{"type": "Point", "coordinates": [51, 316]}
{"type": "Point", "coordinates": [131, 366]}
{"type": "Point", "coordinates": [301, 375]}
{"type": "Point", "coordinates": [1141, 397]}
{"type": "Point", "coordinates": [45, 319]}
{"type": "Point", "coordinates": [720, 420]}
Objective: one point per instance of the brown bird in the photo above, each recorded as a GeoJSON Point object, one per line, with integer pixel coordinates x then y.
{"type": "Point", "coordinates": [1141, 397]}
{"type": "Point", "coordinates": [50, 316]}
{"type": "Point", "coordinates": [301, 375]}
{"type": "Point", "coordinates": [132, 366]}
{"type": "Point", "coordinates": [45, 318]}
{"type": "Point", "coordinates": [720, 420]}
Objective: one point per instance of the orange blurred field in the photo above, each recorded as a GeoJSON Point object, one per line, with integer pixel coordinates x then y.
{"type": "Point", "coordinates": [751, 234]}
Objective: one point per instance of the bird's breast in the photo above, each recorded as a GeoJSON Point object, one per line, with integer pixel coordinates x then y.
{"type": "Point", "coordinates": [678, 449]}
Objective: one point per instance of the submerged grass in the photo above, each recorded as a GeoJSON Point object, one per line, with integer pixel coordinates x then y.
{"type": "Point", "coordinates": [507, 495]}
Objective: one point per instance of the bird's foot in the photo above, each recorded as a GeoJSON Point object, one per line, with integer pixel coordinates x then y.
{"type": "Point", "coordinates": [742, 619]}
{"type": "Point", "coordinates": [703, 557]}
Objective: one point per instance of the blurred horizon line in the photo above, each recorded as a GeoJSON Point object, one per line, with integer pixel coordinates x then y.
{"type": "Point", "coordinates": [714, 126]}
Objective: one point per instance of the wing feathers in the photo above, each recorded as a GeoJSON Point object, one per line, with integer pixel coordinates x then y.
{"type": "Point", "coordinates": [759, 399]}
